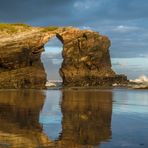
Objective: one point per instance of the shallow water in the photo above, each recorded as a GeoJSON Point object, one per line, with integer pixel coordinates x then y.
{"type": "Point", "coordinates": [74, 118]}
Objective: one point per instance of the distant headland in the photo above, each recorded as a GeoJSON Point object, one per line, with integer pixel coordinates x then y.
{"type": "Point", "coordinates": [86, 57]}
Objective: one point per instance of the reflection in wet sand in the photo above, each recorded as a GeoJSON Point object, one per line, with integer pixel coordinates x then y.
{"type": "Point", "coordinates": [73, 119]}
{"type": "Point", "coordinates": [86, 118]}
{"type": "Point", "coordinates": [19, 116]}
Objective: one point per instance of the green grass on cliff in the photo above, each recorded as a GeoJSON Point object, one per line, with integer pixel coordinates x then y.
{"type": "Point", "coordinates": [13, 28]}
{"type": "Point", "coordinates": [20, 27]}
{"type": "Point", "coordinates": [5, 25]}
{"type": "Point", "coordinates": [49, 28]}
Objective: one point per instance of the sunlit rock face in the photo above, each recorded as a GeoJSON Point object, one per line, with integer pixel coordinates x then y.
{"type": "Point", "coordinates": [86, 58]}
{"type": "Point", "coordinates": [86, 118]}
{"type": "Point", "coordinates": [20, 64]}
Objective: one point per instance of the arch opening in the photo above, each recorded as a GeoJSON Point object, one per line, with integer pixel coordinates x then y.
{"type": "Point", "coordinates": [52, 60]}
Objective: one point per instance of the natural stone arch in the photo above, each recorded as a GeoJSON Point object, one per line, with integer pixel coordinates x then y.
{"type": "Point", "coordinates": [86, 58]}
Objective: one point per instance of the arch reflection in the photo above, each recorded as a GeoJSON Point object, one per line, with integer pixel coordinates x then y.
{"type": "Point", "coordinates": [73, 119]}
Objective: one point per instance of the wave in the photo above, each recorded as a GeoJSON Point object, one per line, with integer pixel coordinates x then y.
{"type": "Point", "coordinates": [141, 79]}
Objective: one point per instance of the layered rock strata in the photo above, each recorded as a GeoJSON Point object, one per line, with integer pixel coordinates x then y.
{"type": "Point", "coordinates": [86, 58]}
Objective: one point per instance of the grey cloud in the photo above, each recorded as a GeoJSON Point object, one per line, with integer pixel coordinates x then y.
{"type": "Point", "coordinates": [65, 11]}
{"type": "Point", "coordinates": [33, 10]}
{"type": "Point", "coordinates": [52, 68]}
{"type": "Point", "coordinates": [51, 55]}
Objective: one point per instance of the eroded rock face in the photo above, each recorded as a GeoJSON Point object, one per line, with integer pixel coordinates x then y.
{"type": "Point", "coordinates": [20, 63]}
{"type": "Point", "coordinates": [86, 58]}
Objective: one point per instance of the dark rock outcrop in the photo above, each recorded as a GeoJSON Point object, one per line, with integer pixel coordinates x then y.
{"type": "Point", "coordinates": [86, 58]}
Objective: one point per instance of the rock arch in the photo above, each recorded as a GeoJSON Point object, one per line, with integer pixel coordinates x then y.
{"type": "Point", "coordinates": [86, 58]}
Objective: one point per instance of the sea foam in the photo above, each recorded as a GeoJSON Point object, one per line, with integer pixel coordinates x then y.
{"type": "Point", "coordinates": [141, 79]}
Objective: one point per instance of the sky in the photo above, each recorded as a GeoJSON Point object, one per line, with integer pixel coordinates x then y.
{"type": "Point", "coordinates": [125, 22]}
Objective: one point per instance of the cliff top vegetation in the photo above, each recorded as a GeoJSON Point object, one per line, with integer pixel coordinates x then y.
{"type": "Point", "coordinates": [20, 27]}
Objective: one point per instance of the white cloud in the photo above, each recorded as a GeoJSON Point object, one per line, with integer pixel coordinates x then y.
{"type": "Point", "coordinates": [122, 28]}
{"type": "Point", "coordinates": [51, 55]}
{"type": "Point", "coordinates": [143, 55]}
{"type": "Point", "coordinates": [85, 4]}
{"type": "Point", "coordinates": [80, 5]}
{"type": "Point", "coordinates": [86, 27]}
{"type": "Point", "coordinates": [53, 49]}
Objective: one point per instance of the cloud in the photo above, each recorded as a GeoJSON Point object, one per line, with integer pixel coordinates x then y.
{"type": "Point", "coordinates": [134, 66]}
{"type": "Point", "coordinates": [85, 4]}
{"type": "Point", "coordinates": [51, 55]}
{"type": "Point", "coordinates": [86, 27]}
{"type": "Point", "coordinates": [52, 67]}
{"type": "Point", "coordinates": [81, 5]}
{"type": "Point", "coordinates": [122, 28]}
{"type": "Point", "coordinates": [64, 12]}
{"type": "Point", "coordinates": [34, 11]}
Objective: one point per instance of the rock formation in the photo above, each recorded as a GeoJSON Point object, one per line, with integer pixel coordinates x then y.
{"type": "Point", "coordinates": [86, 58]}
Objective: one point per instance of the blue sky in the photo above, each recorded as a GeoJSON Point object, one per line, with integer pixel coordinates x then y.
{"type": "Point", "coordinates": [125, 22]}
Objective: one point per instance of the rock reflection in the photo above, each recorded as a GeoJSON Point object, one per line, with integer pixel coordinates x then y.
{"type": "Point", "coordinates": [86, 118]}
{"type": "Point", "coordinates": [19, 119]}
